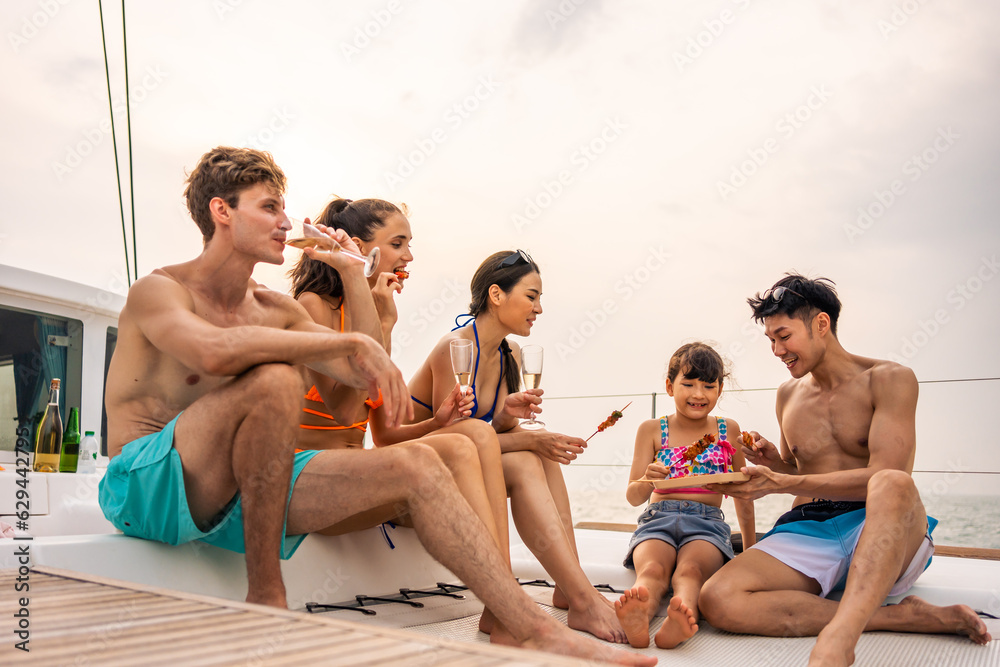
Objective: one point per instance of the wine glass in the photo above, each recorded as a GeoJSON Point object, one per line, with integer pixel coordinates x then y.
{"type": "Point", "coordinates": [461, 364]}
{"type": "Point", "coordinates": [531, 372]}
{"type": "Point", "coordinates": [313, 238]}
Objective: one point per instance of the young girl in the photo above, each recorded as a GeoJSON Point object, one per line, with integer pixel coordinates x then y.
{"type": "Point", "coordinates": [506, 299]}
{"type": "Point", "coordinates": [682, 538]}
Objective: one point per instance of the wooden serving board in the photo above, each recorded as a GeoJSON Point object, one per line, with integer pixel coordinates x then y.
{"type": "Point", "coordinates": [696, 480]}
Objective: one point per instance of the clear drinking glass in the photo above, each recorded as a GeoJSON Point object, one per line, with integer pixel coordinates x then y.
{"type": "Point", "coordinates": [531, 372]}
{"type": "Point", "coordinates": [313, 238]}
{"type": "Point", "coordinates": [461, 364]}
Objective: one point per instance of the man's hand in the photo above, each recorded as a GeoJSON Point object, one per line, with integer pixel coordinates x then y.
{"type": "Point", "coordinates": [523, 404]}
{"type": "Point", "coordinates": [763, 453]}
{"type": "Point", "coordinates": [556, 446]}
{"type": "Point", "coordinates": [763, 481]}
{"type": "Point", "coordinates": [376, 371]}
{"type": "Point", "coordinates": [456, 406]}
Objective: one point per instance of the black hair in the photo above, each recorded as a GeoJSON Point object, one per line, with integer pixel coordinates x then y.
{"type": "Point", "coordinates": [698, 361]}
{"type": "Point", "coordinates": [802, 298]}
{"type": "Point", "coordinates": [499, 270]}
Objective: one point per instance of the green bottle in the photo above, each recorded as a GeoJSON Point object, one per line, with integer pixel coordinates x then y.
{"type": "Point", "coordinates": [71, 442]}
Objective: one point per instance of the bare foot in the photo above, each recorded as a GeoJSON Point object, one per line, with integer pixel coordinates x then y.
{"type": "Point", "coordinates": [486, 621]}
{"type": "Point", "coordinates": [275, 597]}
{"type": "Point", "coordinates": [596, 618]}
{"type": "Point", "coordinates": [557, 638]}
{"type": "Point", "coordinates": [834, 648]}
{"type": "Point", "coordinates": [559, 599]}
{"type": "Point", "coordinates": [921, 616]}
{"type": "Point", "coordinates": [680, 625]}
{"type": "Point", "coordinates": [499, 634]}
{"type": "Point", "coordinates": [632, 610]}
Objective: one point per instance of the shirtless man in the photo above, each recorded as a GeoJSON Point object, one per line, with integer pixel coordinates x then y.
{"type": "Point", "coordinates": [848, 437]}
{"type": "Point", "coordinates": [203, 401]}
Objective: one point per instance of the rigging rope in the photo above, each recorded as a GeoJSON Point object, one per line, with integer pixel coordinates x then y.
{"type": "Point", "coordinates": [128, 119]}
{"type": "Point", "coordinates": [114, 146]}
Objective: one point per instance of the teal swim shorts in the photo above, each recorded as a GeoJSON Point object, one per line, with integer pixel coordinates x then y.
{"type": "Point", "coordinates": [143, 495]}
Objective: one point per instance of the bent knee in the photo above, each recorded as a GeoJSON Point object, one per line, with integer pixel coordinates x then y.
{"type": "Point", "coordinates": [522, 465]}
{"type": "Point", "coordinates": [712, 601]}
{"type": "Point", "coordinates": [894, 482]}
{"type": "Point", "coordinates": [690, 571]}
{"type": "Point", "coordinates": [453, 447]}
{"type": "Point", "coordinates": [275, 379]}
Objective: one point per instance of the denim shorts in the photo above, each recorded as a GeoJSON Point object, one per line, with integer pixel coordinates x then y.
{"type": "Point", "coordinates": [143, 495]}
{"type": "Point", "coordinates": [678, 522]}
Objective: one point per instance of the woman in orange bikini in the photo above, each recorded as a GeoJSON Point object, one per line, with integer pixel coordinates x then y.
{"type": "Point", "coordinates": [317, 286]}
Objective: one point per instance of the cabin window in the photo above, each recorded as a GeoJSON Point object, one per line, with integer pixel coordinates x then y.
{"type": "Point", "coordinates": [34, 348]}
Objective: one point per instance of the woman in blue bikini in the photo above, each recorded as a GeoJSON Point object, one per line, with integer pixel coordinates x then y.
{"type": "Point", "coordinates": [506, 299]}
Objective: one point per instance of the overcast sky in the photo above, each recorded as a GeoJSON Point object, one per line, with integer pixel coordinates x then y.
{"type": "Point", "coordinates": [661, 161]}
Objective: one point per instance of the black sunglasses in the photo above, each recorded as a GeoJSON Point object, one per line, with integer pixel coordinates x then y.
{"type": "Point", "coordinates": [776, 293]}
{"type": "Point", "coordinates": [515, 257]}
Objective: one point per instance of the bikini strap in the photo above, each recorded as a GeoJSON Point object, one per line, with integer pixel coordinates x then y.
{"type": "Point", "coordinates": [461, 325]}
{"type": "Point", "coordinates": [722, 427]}
{"type": "Point", "coordinates": [664, 432]}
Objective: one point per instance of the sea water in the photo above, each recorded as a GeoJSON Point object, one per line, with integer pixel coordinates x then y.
{"type": "Point", "coordinates": [965, 521]}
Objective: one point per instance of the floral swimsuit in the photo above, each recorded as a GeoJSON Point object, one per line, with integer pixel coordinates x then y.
{"type": "Point", "coordinates": [717, 455]}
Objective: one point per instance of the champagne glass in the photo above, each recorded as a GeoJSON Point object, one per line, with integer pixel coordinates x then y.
{"type": "Point", "coordinates": [461, 364]}
{"type": "Point", "coordinates": [313, 238]}
{"type": "Point", "coordinates": [531, 372]}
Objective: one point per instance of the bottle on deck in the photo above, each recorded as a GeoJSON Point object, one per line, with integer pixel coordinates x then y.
{"type": "Point", "coordinates": [70, 442]}
{"type": "Point", "coordinates": [48, 438]}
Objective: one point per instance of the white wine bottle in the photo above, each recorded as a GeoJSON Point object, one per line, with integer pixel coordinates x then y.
{"type": "Point", "coordinates": [48, 438]}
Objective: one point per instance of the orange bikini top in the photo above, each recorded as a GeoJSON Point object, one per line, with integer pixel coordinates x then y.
{"type": "Point", "coordinates": [313, 395]}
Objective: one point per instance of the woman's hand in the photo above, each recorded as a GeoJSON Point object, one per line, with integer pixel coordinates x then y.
{"type": "Point", "coordinates": [523, 404]}
{"type": "Point", "coordinates": [456, 406]}
{"type": "Point", "coordinates": [386, 287]}
{"type": "Point", "coordinates": [334, 257]}
{"type": "Point", "coordinates": [556, 446]}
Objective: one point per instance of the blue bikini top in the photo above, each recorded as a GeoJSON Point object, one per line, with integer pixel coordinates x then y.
{"type": "Point", "coordinates": [488, 417]}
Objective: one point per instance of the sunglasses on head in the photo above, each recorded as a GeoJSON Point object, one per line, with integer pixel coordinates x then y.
{"type": "Point", "coordinates": [777, 293]}
{"type": "Point", "coordinates": [514, 258]}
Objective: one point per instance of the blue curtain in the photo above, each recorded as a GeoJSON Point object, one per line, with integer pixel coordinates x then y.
{"type": "Point", "coordinates": [53, 356]}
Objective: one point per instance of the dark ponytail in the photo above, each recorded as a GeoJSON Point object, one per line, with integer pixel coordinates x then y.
{"type": "Point", "coordinates": [491, 272]}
